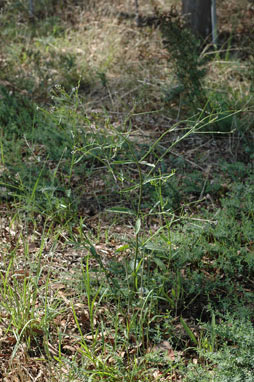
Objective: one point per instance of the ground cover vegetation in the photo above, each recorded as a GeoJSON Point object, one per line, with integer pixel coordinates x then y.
{"type": "Point", "coordinates": [126, 194]}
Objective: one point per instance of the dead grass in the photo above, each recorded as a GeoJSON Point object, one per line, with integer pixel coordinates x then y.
{"type": "Point", "coordinates": [120, 67]}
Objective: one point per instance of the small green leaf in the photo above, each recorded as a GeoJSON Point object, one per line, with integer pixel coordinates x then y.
{"type": "Point", "coordinates": [189, 331]}
{"type": "Point", "coordinates": [137, 226]}
{"type": "Point", "coordinates": [159, 263]}
{"type": "Point", "coordinates": [158, 247]}
{"type": "Point", "coordinates": [122, 248]}
{"type": "Point", "coordinates": [162, 178]}
{"type": "Point", "coordinates": [121, 210]}
{"type": "Point", "coordinates": [147, 163]}
{"type": "Point", "coordinates": [93, 251]}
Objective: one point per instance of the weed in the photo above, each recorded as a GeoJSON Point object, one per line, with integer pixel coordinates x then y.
{"type": "Point", "coordinates": [118, 260]}
{"type": "Point", "coordinates": [184, 51]}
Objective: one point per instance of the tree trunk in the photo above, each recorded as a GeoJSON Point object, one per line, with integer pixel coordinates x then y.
{"type": "Point", "coordinates": [199, 16]}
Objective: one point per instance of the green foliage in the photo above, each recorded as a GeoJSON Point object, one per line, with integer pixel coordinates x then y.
{"type": "Point", "coordinates": [32, 141]}
{"type": "Point", "coordinates": [16, 115]}
{"type": "Point", "coordinates": [236, 171]}
{"type": "Point", "coordinates": [184, 49]}
{"type": "Point", "coordinates": [196, 184]}
{"type": "Point", "coordinates": [227, 119]}
{"type": "Point", "coordinates": [233, 361]}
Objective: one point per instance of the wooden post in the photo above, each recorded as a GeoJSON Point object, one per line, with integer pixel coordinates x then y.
{"type": "Point", "coordinates": [31, 9]}
{"type": "Point", "coordinates": [198, 13]}
{"type": "Point", "coordinates": [214, 22]}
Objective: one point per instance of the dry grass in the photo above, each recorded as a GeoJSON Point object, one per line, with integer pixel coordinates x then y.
{"type": "Point", "coordinates": [120, 67]}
